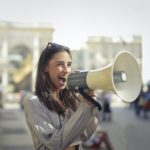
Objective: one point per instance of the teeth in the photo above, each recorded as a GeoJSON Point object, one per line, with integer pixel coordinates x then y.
{"type": "Point", "coordinates": [62, 78]}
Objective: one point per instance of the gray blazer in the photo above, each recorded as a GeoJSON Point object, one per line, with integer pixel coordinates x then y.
{"type": "Point", "coordinates": [53, 132]}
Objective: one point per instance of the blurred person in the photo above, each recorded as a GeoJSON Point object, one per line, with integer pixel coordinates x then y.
{"type": "Point", "coordinates": [139, 102]}
{"type": "Point", "coordinates": [146, 103]}
{"type": "Point", "coordinates": [58, 119]}
{"type": "Point", "coordinates": [147, 98]}
{"type": "Point", "coordinates": [107, 111]}
{"type": "Point", "coordinates": [142, 103]}
{"type": "Point", "coordinates": [1, 96]}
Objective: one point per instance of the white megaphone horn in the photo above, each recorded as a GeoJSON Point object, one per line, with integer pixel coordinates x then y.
{"type": "Point", "coordinates": [123, 77]}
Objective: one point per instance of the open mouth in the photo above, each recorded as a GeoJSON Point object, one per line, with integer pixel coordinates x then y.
{"type": "Point", "coordinates": [62, 80]}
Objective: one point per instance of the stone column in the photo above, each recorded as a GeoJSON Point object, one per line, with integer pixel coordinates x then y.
{"type": "Point", "coordinates": [36, 52]}
{"type": "Point", "coordinates": [5, 67]}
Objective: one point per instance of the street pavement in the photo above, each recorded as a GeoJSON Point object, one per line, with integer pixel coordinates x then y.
{"type": "Point", "coordinates": [126, 131]}
{"type": "Point", "coordinates": [14, 134]}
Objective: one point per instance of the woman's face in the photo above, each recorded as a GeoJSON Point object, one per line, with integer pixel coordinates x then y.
{"type": "Point", "coordinates": [59, 67]}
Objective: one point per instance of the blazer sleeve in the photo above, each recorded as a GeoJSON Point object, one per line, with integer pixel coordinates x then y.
{"type": "Point", "coordinates": [44, 131]}
{"type": "Point", "coordinates": [90, 129]}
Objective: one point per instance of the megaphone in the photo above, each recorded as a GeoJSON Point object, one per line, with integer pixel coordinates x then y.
{"type": "Point", "coordinates": [122, 76]}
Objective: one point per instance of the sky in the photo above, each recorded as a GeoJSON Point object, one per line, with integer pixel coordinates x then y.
{"type": "Point", "coordinates": [75, 20]}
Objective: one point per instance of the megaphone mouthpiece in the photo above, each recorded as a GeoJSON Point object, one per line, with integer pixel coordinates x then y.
{"type": "Point", "coordinates": [77, 80]}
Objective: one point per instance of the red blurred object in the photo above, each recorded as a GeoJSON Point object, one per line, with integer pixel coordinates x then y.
{"type": "Point", "coordinates": [100, 141]}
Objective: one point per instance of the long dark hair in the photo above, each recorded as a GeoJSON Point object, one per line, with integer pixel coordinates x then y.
{"type": "Point", "coordinates": [44, 85]}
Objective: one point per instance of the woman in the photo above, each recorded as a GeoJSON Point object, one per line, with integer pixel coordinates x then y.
{"type": "Point", "coordinates": [57, 119]}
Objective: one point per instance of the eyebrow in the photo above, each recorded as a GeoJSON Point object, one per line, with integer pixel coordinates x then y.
{"type": "Point", "coordinates": [60, 61]}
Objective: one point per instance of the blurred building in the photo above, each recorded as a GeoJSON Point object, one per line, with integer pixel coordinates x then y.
{"type": "Point", "coordinates": [100, 51]}
{"type": "Point", "coordinates": [20, 45]}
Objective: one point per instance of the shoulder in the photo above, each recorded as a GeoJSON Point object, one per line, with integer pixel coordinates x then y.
{"type": "Point", "coordinates": [32, 102]}
{"type": "Point", "coordinates": [30, 99]}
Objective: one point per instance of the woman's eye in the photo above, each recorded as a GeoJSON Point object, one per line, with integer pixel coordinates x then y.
{"type": "Point", "coordinates": [69, 65]}
{"type": "Point", "coordinates": [60, 64]}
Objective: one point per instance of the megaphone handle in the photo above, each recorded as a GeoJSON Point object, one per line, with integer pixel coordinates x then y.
{"type": "Point", "coordinates": [89, 98]}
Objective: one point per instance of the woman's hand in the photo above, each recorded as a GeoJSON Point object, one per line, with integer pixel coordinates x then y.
{"type": "Point", "coordinates": [90, 93]}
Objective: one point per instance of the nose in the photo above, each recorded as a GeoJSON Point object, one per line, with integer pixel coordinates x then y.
{"type": "Point", "coordinates": [66, 69]}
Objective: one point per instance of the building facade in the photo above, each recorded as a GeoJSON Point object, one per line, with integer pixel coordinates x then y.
{"type": "Point", "coordinates": [20, 46]}
{"type": "Point", "coordinates": [100, 51]}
